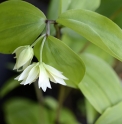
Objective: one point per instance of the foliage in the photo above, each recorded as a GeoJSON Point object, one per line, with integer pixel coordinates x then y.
{"type": "Point", "coordinates": [81, 43]}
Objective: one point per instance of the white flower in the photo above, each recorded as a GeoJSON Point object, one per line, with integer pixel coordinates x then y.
{"type": "Point", "coordinates": [24, 55]}
{"type": "Point", "coordinates": [44, 72]}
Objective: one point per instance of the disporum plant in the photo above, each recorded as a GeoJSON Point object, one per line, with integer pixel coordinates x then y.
{"type": "Point", "coordinates": [62, 44]}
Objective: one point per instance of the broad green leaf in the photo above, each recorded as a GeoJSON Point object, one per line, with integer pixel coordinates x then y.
{"type": "Point", "coordinates": [85, 4]}
{"type": "Point", "coordinates": [96, 28]}
{"type": "Point", "coordinates": [22, 111]}
{"type": "Point", "coordinates": [91, 113]}
{"type": "Point", "coordinates": [20, 24]}
{"type": "Point", "coordinates": [77, 43]}
{"type": "Point", "coordinates": [8, 86]}
{"type": "Point", "coordinates": [61, 57]}
{"type": "Point", "coordinates": [100, 84]}
{"type": "Point", "coordinates": [112, 115]}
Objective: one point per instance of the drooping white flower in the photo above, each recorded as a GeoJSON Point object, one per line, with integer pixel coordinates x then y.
{"type": "Point", "coordinates": [24, 55]}
{"type": "Point", "coordinates": [44, 72]}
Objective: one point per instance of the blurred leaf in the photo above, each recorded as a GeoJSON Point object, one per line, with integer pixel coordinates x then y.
{"type": "Point", "coordinates": [66, 116]}
{"type": "Point", "coordinates": [22, 111]}
{"type": "Point", "coordinates": [64, 4]}
{"type": "Point", "coordinates": [8, 86]}
{"type": "Point", "coordinates": [20, 24]}
{"type": "Point", "coordinates": [93, 49]}
{"type": "Point", "coordinates": [96, 28]}
{"type": "Point", "coordinates": [91, 113]}
{"type": "Point", "coordinates": [51, 103]}
{"type": "Point", "coordinates": [61, 57]}
{"type": "Point", "coordinates": [77, 43]}
{"type": "Point", "coordinates": [112, 115]}
{"type": "Point", "coordinates": [53, 10]}
{"type": "Point", "coordinates": [85, 4]}
{"type": "Point", "coordinates": [100, 84]}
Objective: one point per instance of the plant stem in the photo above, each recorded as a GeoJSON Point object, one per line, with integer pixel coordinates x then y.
{"type": "Point", "coordinates": [84, 47]}
{"type": "Point", "coordinates": [58, 33]}
{"type": "Point", "coordinates": [116, 13]}
{"type": "Point", "coordinates": [37, 40]}
{"type": "Point", "coordinates": [41, 49]}
{"type": "Point", "coordinates": [39, 94]}
{"type": "Point", "coordinates": [61, 100]}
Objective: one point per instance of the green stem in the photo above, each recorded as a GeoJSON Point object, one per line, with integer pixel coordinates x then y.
{"type": "Point", "coordinates": [60, 100]}
{"type": "Point", "coordinates": [41, 49]}
{"type": "Point", "coordinates": [84, 47]}
{"type": "Point", "coordinates": [39, 94]}
{"type": "Point", "coordinates": [58, 33]}
{"type": "Point", "coordinates": [116, 13]}
{"type": "Point", "coordinates": [37, 40]}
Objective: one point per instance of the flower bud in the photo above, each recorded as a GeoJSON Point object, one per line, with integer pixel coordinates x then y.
{"type": "Point", "coordinates": [24, 55]}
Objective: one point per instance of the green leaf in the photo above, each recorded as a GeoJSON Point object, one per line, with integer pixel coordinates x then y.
{"type": "Point", "coordinates": [64, 4]}
{"type": "Point", "coordinates": [8, 86]}
{"type": "Point", "coordinates": [100, 84]}
{"type": "Point", "coordinates": [85, 4]}
{"type": "Point", "coordinates": [22, 111]}
{"type": "Point", "coordinates": [53, 10]}
{"type": "Point", "coordinates": [96, 28]}
{"type": "Point", "coordinates": [77, 43]}
{"type": "Point", "coordinates": [91, 113]}
{"type": "Point", "coordinates": [61, 57]}
{"type": "Point", "coordinates": [20, 24]}
{"type": "Point", "coordinates": [112, 115]}
{"type": "Point", "coordinates": [66, 116]}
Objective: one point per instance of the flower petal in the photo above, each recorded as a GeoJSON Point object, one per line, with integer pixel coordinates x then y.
{"type": "Point", "coordinates": [54, 71]}
{"type": "Point", "coordinates": [24, 57]}
{"type": "Point", "coordinates": [33, 74]}
{"type": "Point", "coordinates": [19, 49]}
{"type": "Point", "coordinates": [58, 80]}
{"type": "Point", "coordinates": [43, 78]}
{"type": "Point", "coordinates": [25, 73]}
{"type": "Point", "coordinates": [23, 82]}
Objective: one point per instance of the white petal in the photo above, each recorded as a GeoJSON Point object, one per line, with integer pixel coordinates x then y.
{"type": "Point", "coordinates": [51, 77]}
{"type": "Point", "coordinates": [59, 80]}
{"type": "Point", "coordinates": [43, 79]}
{"type": "Point", "coordinates": [33, 74]}
{"type": "Point", "coordinates": [23, 82]}
{"type": "Point", "coordinates": [24, 57]}
{"type": "Point", "coordinates": [25, 73]}
{"type": "Point", "coordinates": [17, 78]}
{"type": "Point", "coordinates": [54, 71]}
{"type": "Point", "coordinates": [19, 49]}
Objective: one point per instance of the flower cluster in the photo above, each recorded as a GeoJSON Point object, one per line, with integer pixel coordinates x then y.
{"type": "Point", "coordinates": [31, 72]}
